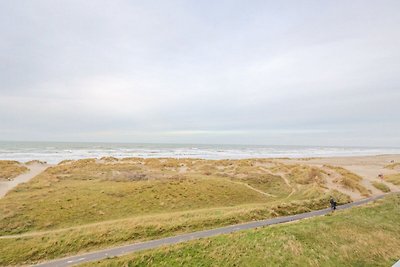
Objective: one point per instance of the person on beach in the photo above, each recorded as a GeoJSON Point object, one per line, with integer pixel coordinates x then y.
{"type": "Point", "coordinates": [333, 203]}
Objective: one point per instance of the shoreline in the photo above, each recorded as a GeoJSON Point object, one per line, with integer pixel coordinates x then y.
{"type": "Point", "coordinates": [56, 152]}
{"type": "Point", "coordinates": [293, 158]}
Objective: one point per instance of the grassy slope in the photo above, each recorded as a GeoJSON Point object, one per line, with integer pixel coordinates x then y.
{"type": "Point", "coordinates": [137, 199]}
{"type": "Point", "coordinates": [80, 202]}
{"type": "Point", "coordinates": [364, 236]}
{"type": "Point", "coordinates": [393, 166]}
{"type": "Point", "coordinates": [381, 186]}
{"type": "Point", "coordinates": [393, 178]}
{"type": "Point", "coordinates": [10, 169]}
{"type": "Point", "coordinates": [55, 244]}
{"type": "Point", "coordinates": [350, 180]}
{"type": "Point", "coordinates": [62, 194]}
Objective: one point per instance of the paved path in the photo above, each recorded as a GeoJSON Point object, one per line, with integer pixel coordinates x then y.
{"type": "Point", "coordinates": [397, 264]}
{"type": "Point", "coordinates": [122, 250]}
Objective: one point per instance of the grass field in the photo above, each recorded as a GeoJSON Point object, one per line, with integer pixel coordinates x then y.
{"type": "Point", "coordinates": [10, 169]}
{"type": "Point", "coordinates": [363, 236]}
{"type": "Point", "coordinates": [82, 205]}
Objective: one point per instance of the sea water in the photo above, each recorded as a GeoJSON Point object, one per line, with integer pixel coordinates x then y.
{"type": "Point", "coordinates": [54, 152]}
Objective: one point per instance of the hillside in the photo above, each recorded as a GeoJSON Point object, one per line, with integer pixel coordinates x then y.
{"type": "Point", "coordinates": [82, 205]}
{"type": "Point", "coordinates": [363, 236]}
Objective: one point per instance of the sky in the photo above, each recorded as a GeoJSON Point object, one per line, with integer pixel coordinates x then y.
{"type": "Point", "coordinates": [219, 72]}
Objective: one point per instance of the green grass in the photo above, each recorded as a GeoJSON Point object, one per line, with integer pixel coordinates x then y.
{"type": "Point", "coordinates": [10, 169]}
{"type": "Point", "coordinates": [55, 244]}
{"type": "Point", "coordinates": [381, 186]}
{"type": "Point", "coordinates": [363, 236]}
{"type": "Point", "coordinates": [63, 203]}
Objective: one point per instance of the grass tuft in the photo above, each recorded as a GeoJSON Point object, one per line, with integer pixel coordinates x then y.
{"type": "Point", "coordinates": [10, 169]}
{"type": "Point", "coordinates": [381, 186]}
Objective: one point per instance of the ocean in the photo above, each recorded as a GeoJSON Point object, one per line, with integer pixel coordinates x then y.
{"type": "Point", "coordinates": [54, 152]}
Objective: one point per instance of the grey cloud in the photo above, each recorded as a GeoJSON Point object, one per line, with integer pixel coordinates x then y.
{"type": "Point", "coordinates": [201, 71]}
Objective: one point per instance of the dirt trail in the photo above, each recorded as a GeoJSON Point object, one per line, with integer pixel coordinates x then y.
{"type": "Point", "coordinates": [250, 187]}
{"type": "Point", "coordinates": [34, 169]}
{"type": "Point", "coordinates": [285, 179]}
{"type": "Point", "coordinates": [253, 188]}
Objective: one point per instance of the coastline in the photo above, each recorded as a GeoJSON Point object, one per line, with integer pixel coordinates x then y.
{"type": "Point", "coordinates": [54, 152]}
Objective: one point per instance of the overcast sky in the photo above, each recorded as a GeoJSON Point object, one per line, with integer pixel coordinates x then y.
{"type": "Point", "coordinates": [245, 72]}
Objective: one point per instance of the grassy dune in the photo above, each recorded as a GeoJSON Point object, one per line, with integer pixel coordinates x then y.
{"type": "Point", "coordinates": [393, 166]}
{"type": "Point", "coordinates": [350, 180]}
{"type": "Point", "coordinates": [381, 186]}
{"type": "Point", "coordinates": [109, 190]}
{"type": "Point", "coordinates": [82, 202]}
{"type": "Point", "coordinates": [81, 205]}
{"type": "Point", "coordinates": [10, 169]}
{"type": "Point", "coordinates": [364, 236]}
{"type": "Point", "coordinates": [393, 178]}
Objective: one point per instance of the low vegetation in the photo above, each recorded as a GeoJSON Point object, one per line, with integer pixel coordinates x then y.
{"type": "Point", "coordinates": [393, 178]}
{"type": "Point", "coordinates": [393, 166]}
{"type": "Point", "coordinates": [82, 205]}
{"type": "Point", "coordinates": [35, 162]}
{"type": "Point", "coordinates": [381, 186]}
{"type": "Point", "coordinates": [349, 180]}
{"type": "Point", "coordinates": [28, 248]}
{"type": "Point", "coordinates": [10, 169]}
{"type": "Point", "coordinates": [111, 189]}
{"type": "Point", "coordinates": [364, 236]}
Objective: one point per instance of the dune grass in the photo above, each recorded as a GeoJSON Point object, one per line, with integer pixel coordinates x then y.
{"type": "Point", "coordinates": [393, 166]}
{"type": "Point", "coordinates": [381, 186]}
{"type": "Point", "coordinates": [115, 189]}
{"type": "Point", "coordinates": [10, 169]}
{"type": "Point", "coordinates": [86, 204]}
{"type": "Point", "coordinates": [78, 202]}
{"type": "Point", "coordinates": [363, 236]}
{"type": "Point", "coordinates": [350, 180]}
{"type": "Point", "coordinates": [393, 178]}
{"type": "Point", "coordinates": [35, 161]}
{"type": "Point", "coordinates": [48, 245]}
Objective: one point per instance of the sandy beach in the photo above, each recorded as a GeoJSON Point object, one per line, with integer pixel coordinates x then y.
{"type": "Point", "coordinates": [368, 167]}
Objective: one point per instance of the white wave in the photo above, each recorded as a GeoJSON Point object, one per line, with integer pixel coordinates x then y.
{"type": "Point", "coordinates": [55, 152]}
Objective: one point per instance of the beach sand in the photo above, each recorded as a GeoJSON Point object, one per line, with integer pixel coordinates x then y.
{"type": "Point", "coordinates": [34, 169]}
{"type": "Point", "coordinates": [368, 167]}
